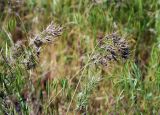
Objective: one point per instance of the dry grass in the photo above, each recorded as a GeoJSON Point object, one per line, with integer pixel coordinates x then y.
{"type": "Point", "coordinates": [83, 71]}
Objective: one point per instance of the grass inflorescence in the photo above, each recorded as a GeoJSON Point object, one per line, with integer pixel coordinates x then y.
{"type": "Point", "coordinates": [105, 60]}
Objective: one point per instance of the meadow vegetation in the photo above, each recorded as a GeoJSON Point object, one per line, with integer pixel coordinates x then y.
{"type": "Point", "coordinates": [91, 57]}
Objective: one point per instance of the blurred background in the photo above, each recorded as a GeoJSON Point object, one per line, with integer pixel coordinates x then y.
{"type": "Point", "coordinates": [131, 87]}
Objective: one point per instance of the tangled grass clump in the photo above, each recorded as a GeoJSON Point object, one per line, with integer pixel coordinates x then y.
{"type": "Point", "coordinates": [87, 71]}
{"type": "Point", "coordinates": [20, 58]}
{"type": "Point", "coordinates": [111, 48]}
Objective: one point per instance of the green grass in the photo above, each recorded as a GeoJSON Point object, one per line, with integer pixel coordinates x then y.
{"type": "Point", "coordinates": [62, 81]}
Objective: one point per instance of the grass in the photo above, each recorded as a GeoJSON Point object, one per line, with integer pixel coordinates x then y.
{"type": "Point", "coordinates": [65, 80]}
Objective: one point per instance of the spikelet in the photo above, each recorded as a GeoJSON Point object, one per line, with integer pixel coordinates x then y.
{"type": "Point", "coordinates": [111, 48]}
{"type": "Point", "coordinates": [31, 57]}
